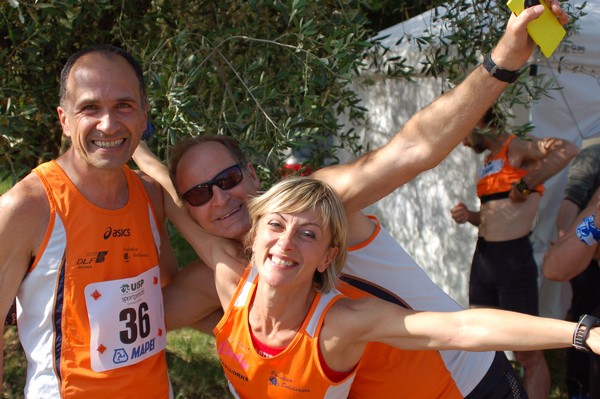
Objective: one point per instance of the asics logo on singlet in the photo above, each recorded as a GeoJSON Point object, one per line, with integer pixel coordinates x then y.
{"type": "Point", "coordinates": [110, 232]}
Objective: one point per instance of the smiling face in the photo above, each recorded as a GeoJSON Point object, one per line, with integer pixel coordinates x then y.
{"type": "Point", "coordinates": [226, 213]}
{"type": "Point", "coordinates": [289, 248]}
{"type": "Point", "coordinates": [104, 113]}
{"type": "Point", "coordinates": [303, 232]}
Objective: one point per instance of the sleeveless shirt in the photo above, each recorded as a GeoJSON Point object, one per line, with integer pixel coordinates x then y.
{"type": "Point", "coordinates": [90, 311]}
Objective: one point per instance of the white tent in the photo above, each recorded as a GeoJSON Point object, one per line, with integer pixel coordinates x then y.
{"type": "Point", "coordinates": [418, 214]}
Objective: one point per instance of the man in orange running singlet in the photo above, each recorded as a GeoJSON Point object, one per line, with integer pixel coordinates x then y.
{"type": "Point", "coordinates": [83, 246]}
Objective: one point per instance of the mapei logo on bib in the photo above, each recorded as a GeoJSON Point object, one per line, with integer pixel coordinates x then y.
{"type": "Point", "coordinates": [116, 233]}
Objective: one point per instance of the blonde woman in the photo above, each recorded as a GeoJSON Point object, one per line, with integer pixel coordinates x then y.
{"type": "Point", "coordinates": [289, 332]}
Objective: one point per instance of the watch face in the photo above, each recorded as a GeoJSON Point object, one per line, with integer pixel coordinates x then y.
{"type": "Point", "coordinates": [522, 187]}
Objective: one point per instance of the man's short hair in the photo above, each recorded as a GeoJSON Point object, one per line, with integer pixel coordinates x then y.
{"type": "Point", "coordinates": [183, 146]}
{"type": "Point", "coordinates": [103, 49]}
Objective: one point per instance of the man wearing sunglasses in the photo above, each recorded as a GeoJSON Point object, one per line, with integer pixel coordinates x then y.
{"type": "Point", "coordinates": [214, 180]}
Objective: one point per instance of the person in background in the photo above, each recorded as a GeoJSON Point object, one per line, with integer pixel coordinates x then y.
{"type": "Point", "coordinates": [83, 245]}
{"type": "Point", "coordinates": [289, 333]}
{"type": "Point", "coordinates": [504, 272]}
{"type": "Point", "coordinates": [583, 369]}
{"type": "Point", "coordinates": [215, 181]}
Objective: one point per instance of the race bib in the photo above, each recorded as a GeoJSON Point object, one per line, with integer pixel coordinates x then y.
{"type": "Point", "coordinates": [126, 320]}
{"type": "Point", "coordinates": [491, 168]}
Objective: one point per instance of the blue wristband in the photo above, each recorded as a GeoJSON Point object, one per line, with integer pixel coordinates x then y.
{"type": "Point", "coordinates": [587, 232]}
{"type": "Point", "coordinates": [149, 132]}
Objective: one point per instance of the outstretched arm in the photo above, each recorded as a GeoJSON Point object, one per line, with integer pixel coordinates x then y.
{"type": "Point", "coordinates": [490, 329]}
{"type": "Point", "coordinates": [472, 330]}
{"type": "Point", "coordinates": [429, 136]}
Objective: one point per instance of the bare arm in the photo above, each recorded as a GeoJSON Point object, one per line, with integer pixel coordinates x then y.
{"type": "Point", "coordinates": [222, 255]}
{"type": "Point", "coordinates": [489, 329]}
{"type": "Point", "coordinates": [210, 248]}
{"type": "Point", "coordinates": [568, 256]}
{"type": "Point", "coordinates": [24, 216]}
{"type": "Point", "coordinates": [472, 330]}
{"type": "Point", "coordinates": [167, 260]}
{"type": "Point", "coordinates": [567, 213]}
{"type": "Point", "coordinates": [552, 155]}
{"type": "Point", "coordinates": [429, 136]}
{"type": "Point", "coordinates": [192, 296]}
{"type": "Point", "coordinates": [461, 214]}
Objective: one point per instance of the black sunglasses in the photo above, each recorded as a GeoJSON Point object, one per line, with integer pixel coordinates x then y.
{"type": "Point", "coordinates": [202, 193]}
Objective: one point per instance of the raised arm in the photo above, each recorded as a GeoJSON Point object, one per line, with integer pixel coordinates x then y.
{"type": "Point", "coordinates": [429, 136]}
{"type": "Point", "coordinates": [167, 260]}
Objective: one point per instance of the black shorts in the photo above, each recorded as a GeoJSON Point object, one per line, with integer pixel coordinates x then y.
{"type": "Point", "coordinates": [500, 382]}
{"type": "Point", "coordinates": [504, 275]}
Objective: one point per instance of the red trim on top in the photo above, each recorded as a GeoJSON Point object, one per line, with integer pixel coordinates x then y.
{"type": "Point", "coordinates": [263, 349]}
{"type": "Point", "coordinates": [335, 376]}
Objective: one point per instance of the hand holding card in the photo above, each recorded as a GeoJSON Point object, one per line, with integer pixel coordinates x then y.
{"type": "Point", "coordinates": [546, 31]}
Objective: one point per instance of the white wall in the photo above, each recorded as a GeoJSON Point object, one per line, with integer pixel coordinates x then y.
{"type": "Point", "coordinates": [418, 214]}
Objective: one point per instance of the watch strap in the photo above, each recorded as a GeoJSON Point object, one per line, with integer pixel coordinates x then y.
{"type": "Point", "coordinates": [499, 73]}
{"type": "Point", "coordinates": [586, 323]}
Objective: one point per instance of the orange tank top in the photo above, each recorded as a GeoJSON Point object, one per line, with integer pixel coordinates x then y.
{"type": "Point", "coordinates": [498, 175]}
{"type": "Point", "coordinates": [382, 372]}
{"type": "Point", "coordinates": [295, 372]}
{"type": "Point", "coordinates": [91, 319]}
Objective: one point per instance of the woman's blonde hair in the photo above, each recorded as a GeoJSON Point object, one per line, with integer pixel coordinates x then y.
{"type": "Point", "coordinates": [299, 194]}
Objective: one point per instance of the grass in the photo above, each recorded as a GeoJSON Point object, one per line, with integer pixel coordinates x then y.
{"type": "Point", "coordinates": [194, 367]}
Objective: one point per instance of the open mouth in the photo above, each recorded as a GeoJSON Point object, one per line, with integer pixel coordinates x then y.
{"type": "Point", "coordinates": [281, 262]}
{"type": "Point", "coordinates": [108, 144]}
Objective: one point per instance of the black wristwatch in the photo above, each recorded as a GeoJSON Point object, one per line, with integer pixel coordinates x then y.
{"type": "Point", "coordinates": [522, 187]}
{"type": "Point", "coordinates": [499, 73]}
{"type": "Point", "coordinates": [586, 323]}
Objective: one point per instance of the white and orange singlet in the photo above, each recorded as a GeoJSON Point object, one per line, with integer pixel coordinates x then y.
{"type": "Point", "coordinates": [90, 310]}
